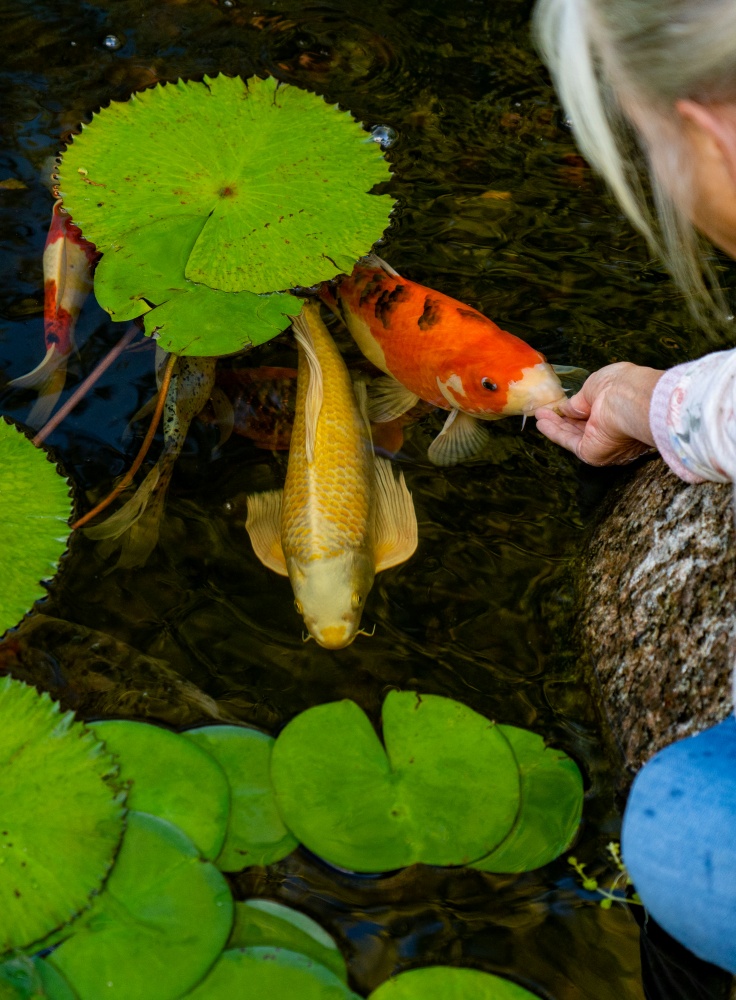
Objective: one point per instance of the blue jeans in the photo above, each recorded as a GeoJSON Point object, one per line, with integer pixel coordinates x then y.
{"type": "Point", "coordinates": [679, 842]}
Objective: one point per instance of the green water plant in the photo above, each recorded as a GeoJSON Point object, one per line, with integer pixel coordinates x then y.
{"type": "Point", "coordinates": [209, 200]}
{"type": "Point", "coordinates": [449, 983]}
{"type": "Point", "coordinates": [35, 507]}
{"type": "Point", "coordinates": [61, 815]}
{"type": "Point", "coordinates": [23, 978]}
{"type": "Point", "coordinates": [620, 889]}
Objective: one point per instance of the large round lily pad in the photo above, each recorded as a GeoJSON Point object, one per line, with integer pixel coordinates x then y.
{"type": "Point", "coordinates": [270, 973]}
{"type": "Point", "coordinates": [256, 833]}
{"type": "Point", "coordinates": [158, 927]}
{"type": "Point", "coordinates": [444, 791]}
{"type": "Point", "coordinates": [171, 778]}
{"type": "Point", "coordinates": [551, 806]}
{"type": "Point", "coordinates": [135, 279]}
{"type": "Point", "coordinates": [447, 983]}
{"type": "Point", "coordinates": [61, 815]}
{"type": "Point", "coordinates": [35, 507]}
{"type": "Point", "coordinates": [266, 923]}
{"type": "Point", "coordinates": [278, 178]}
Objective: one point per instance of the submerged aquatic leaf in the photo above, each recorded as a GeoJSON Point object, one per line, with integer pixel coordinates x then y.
{"type": "Point", "coordinates": [256, 833]}
{"type": "Point", "coordinates": [449, 984]}
{"type": "Point", "coordinates": [170, 778]}
{"type": "Point", "coordinates": [271, 973]}
{"type": "Point", "coordinates": [137, 279]}
{"type": "Point", "coordinates": [445, 786]}
{"type": "Point", "coordinates": [551, 806]}
{"type": "Point", "coordinates": [61, 815]}
{"type": "Point", "coordinates": [35, 507]}
{"type": "Point", "coordinates": [266, 923]}
{"type": "Point", "coordinates": [159, 925]}
{"type": "Point", "coordinates": [277, 178]}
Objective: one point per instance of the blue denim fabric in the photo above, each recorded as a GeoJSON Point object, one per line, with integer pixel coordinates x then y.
{"type": "Point", "coordinates": [679, 842]}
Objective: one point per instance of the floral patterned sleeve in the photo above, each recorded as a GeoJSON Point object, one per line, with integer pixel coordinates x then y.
{"type": "Point", "coordinates": [693, 418]}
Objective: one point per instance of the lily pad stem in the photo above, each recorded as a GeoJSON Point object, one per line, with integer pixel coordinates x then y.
{"type": "Point", "coordinates": [128, 477]}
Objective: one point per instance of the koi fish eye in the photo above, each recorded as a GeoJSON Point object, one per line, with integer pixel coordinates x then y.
{"type": "Point", "coordinates": [488, 384]}
{"type": "Point", "coordinates": [298, 606]}
{"type": "Point", "coordinates": [356, 601]}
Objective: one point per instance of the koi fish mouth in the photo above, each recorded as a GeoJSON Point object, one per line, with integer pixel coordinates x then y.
{"type": "Point", "coordinates": [538, 386]}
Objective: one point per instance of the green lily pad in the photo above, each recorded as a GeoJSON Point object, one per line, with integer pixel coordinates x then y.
{"type": "Point", "coordinates": [171, 778]}
{"type": "Point", "coordinates": [187, 318]}
{"type": "Point", "coordinates": [158, 927]}
{"type": "Point", "coordinates": [61, 815]}
{"type": "Point", "coordinates": [273, 973]}
{"type": "Point", "coordinates": [447, 983]}
{"type": "Point", "coordinates": [23, 978]}
{"type": "Point", "coordinates": [256, 833]}
{"type": "Point", "coordinates": [551, 806]}
{"type": "Point", "coordinates": [444, 789]}
{"type": "Point", "coordinates": [278, 178]}
{"type": "Point", "coordinates": [35, 507]}
{"type": "Point", "coordinates": [266, 923]}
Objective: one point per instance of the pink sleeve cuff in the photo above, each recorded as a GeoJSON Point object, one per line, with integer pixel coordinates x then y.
{"type": "Point", "coordinates": [658, 414]}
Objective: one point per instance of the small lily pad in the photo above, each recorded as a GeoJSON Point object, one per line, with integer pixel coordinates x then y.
{"type": "Point", "coordinates": [256, 833]}
{"type": "Point", "coordinates": [61, 815]}
{"type": "Point", "coordinates": [158, 927]}
{"type": "Point", "coordinates": [444, 788]}
{"type": "Point", "coordinates": [266, 923]}
{"type": "Point", "coordinates": [35, 507]}
{"type": "Point", "coordinates": [278, 178]}
{"type": "Point", "coordinates": [273, 973]}
{"type": "Point", "coordinates": [551, 806]}
{"type": "Point", "coordinates": [171, 778]}
{"type": "Point", "coordinates": [23, 978]}
{"type": "Point", "coordinates": [186, 317]}
{"type": "Point", "coordinates": [447, 983]}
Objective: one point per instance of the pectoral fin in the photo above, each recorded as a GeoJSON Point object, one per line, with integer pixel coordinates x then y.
{"type": "Point", "coordinates": [396, 530]}
{"type": "Point", "coordinates": [572, 378]}
{"type": "Point", "coordinates": [263, 525]}
{"type": "Point", "coordinates": [388, 399]}
{"type": "Point", "coordinates": [315, 391]}
{"type": "Point", "coordinates": [462, 438]}
{"type": "Point", "coordinates": [373, 260]}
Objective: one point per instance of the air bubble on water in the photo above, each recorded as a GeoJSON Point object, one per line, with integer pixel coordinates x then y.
{"type": "Point", "coordinates": [228, 3]}
{"type": "Point", "coordinates": [112, 42]}
{"type": "Point", "coordinates": [384, 135]}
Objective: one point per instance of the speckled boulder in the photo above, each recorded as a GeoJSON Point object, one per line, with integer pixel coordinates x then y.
{"type": "Point", "coordinates": [658, 587]}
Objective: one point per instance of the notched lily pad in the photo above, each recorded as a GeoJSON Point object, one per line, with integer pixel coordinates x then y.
{"type": "Point", "coordinates": [444, 788]}
{"type": "Point", "coordinates": [266, 923]}
{"type": "Point", "coordinates": [278, 178]}
{"type": "Point", "coordinates": [551, 806]}
{"type": "Point", "coordinates": [170, 778]}
{"type": "Point", "coordinates": [449, 984]}
{"type": "Point", "coordinates": [61, 815]}
{"type": "Point", "coordinates": [256, 833]}
{"type": "Point", "coordinates": [270, 972]}
{"type": "Point", "coordinates": [35, 506]}
{"type": "Point", "coordinates": [159, 925]}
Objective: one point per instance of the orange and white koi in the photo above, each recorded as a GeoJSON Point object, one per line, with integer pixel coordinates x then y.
{"type": "Point", "coordinates": [437, 349]}
{"type": "Point", "coordinates": [68, 268]}
{"type": "Point", "coordinates": [342, 516]}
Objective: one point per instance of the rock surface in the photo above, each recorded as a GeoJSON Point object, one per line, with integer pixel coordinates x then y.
{"type": "Point", "coordinates": [659, 609]}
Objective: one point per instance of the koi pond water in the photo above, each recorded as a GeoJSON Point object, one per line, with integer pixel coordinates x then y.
{"type": "Point", "coordinates": [495, 208]}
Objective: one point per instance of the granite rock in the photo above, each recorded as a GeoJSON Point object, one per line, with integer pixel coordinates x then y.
{"type": "Point", "coordinates": [658, 589]}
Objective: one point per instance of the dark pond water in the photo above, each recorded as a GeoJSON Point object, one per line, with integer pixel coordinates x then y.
{"type": "Point", "coordinates": [495, 209]}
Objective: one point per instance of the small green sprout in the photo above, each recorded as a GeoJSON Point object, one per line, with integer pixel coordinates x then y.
{"type": "Point", "coordinates": [619, 890]}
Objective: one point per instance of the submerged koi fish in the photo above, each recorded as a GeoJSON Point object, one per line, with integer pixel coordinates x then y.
{"type": "Point", "coordinates": [342, 516]}
{"type": "Point", "coordinates": [139, 519]}
{"type": "Point", "coordinates": [68, 268]}
{"type": "Point", "coordinates": [434, 348]}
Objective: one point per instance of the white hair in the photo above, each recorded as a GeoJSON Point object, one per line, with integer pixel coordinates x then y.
{"type": "Point", "coordinates": [618, 63]}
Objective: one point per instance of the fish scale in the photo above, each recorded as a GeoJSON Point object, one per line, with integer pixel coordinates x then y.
{"type": "Point", "coordinates": [325, 507]}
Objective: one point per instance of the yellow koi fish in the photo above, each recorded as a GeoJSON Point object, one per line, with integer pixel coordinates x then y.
{"type": "Point", "coordinates": [342, 516]}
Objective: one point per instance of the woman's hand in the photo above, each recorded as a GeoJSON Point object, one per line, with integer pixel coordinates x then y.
{"type": "Point", "coordinates": [607, 422]}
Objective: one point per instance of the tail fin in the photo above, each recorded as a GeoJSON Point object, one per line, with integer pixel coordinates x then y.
{"type": "Point", "coordinates": [48, 378]}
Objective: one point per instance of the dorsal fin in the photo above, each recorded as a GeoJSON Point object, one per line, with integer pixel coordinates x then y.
{"type": "Point", "coordinates": [315, 390]}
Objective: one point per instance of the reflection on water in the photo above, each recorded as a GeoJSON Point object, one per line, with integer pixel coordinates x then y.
{"type": "Point", "coordinates": [496, 209]}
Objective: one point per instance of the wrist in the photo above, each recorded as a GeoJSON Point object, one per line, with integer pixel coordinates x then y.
{"type": "Point", "coordinates": [637, 387]}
